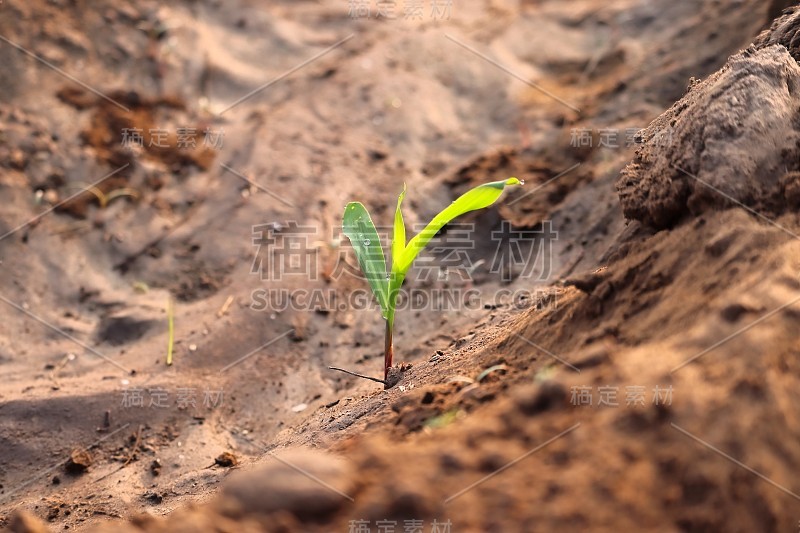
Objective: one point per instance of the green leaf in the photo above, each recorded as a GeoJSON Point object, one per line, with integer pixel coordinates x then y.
{"type": "Point", "coordinates": [476, 198]}
{"type": "Point", "coordinates": [398, 249]}
{"type": "Point", "coordinates": [399, 239]}
{"type": "Point", "coordinates": [358, 227]}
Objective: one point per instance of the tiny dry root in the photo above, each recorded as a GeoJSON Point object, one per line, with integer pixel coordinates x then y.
{"type": "Point", "coordinates": [135, 446]}
{"type": "Point", "coordinates": [356, 374]}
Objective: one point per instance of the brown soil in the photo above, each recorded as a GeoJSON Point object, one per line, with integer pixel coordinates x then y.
{"type": "Point", "coordinates": [675, 268]}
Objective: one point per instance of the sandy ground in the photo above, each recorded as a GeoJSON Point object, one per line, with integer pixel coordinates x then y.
{"type": "Point", "coordinates": [644, 377]}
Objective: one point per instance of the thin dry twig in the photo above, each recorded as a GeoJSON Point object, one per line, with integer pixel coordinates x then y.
{"type": "Point", "coordinates": [135, 447]}
{"type": "Point", "coordinates": [356, 374]}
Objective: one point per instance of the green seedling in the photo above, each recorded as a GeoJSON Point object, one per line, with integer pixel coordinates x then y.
{"type": "Point", "coordinates": [359, 228]}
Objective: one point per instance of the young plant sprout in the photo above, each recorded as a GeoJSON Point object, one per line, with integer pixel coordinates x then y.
{"type": "Point", "coordinates": [358, 227]}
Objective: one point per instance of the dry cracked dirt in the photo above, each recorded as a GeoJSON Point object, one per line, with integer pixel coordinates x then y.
{"type": "Point", "coordinates": [615, 348]}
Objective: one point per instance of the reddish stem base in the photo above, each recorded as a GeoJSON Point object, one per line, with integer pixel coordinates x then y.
{"type": "Point", "coordinates": [388, 351]}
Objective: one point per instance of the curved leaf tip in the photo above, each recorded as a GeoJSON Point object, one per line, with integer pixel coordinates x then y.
{"type": "Point", "coordinates": [476, 198]}
{"type": "Point", "coordinates": [503, 183]}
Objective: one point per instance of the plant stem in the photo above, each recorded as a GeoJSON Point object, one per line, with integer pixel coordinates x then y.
{"type": "Point", "coordinates": [388, 349]}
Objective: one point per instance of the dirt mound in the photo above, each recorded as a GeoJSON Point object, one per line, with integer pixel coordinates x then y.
{"type": "Point", "coordinates": [734, 139]}
{"type": "Point", "coordinates": [785, 30]}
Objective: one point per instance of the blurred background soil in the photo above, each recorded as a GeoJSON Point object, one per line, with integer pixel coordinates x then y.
{"type": "Point", "coordinates": [670, 172]}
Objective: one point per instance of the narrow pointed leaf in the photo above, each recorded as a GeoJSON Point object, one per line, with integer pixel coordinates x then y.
{"type": "Point", "coordinates": [358, 227]}
{"type": "Point", "coordinates": [476, 198]}
{"type": "Point", "coordinates": [399, 239]}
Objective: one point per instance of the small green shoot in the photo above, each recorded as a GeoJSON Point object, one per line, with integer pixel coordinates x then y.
{"type": "Point", "coordinates": [443, 420]}
{"type": "Point", "coordinates": [359, 228]}
{"type": "Point", "coordinates": [496, 368]}
{"type": "Point", "coordinates": [547, 372]}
